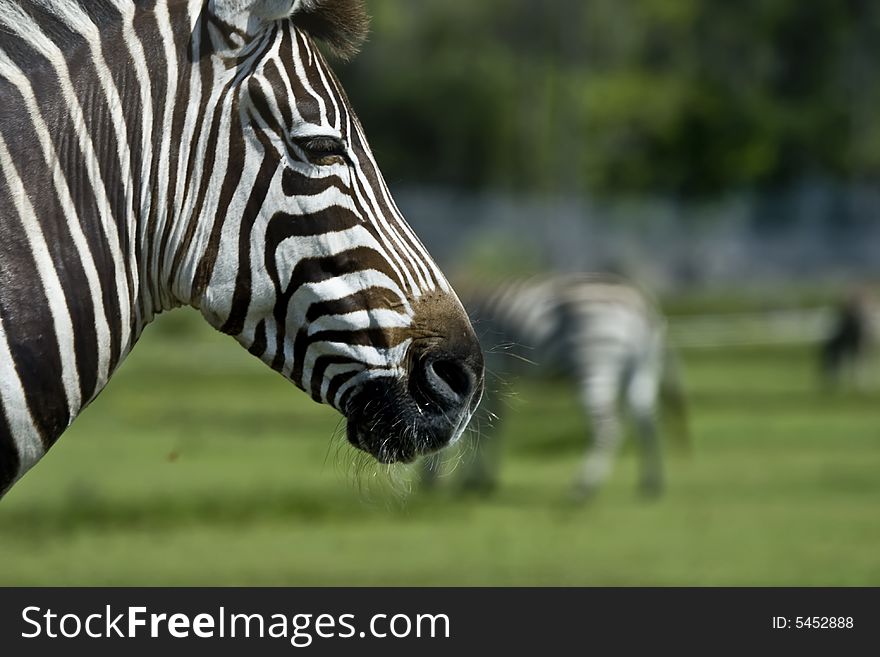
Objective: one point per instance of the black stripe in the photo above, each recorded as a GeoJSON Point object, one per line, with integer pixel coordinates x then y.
{"type": "Point", "coordinates": [235, 162]}
{"type": "Point", "coordinates": [314, 270]}
{"type": "Point", "coordinates": [334, 219]}
{"type": "Point", "coordinates": [231, 178]}
{"type": "Point", "coordinates": [320, 368]}
{"type": "Point", "coordinates": [39, 185]}
{"type": "Point", "coordinates": [22, 142]}
{"type": "Point", "coordinates": [295, 183]}
{"type": "Point", "coordinates": [99, 130]}
{"type": "Point", "coordinates": [306, 102]}
{"type": "Point", "coordinates": [275, 79]}
{"type": "Point", "coordinates": [177, 126]}
{"type": "Point", "coordinates": [241, 297]}
{"type": "Point", "coordinates": [313, 76]}
{"type": "Point", "coordinates": [30, 333]}
{"type": "Point", "coordinates": [258, 347]}
{"type": "Point", "coordinates": [380, 338]}
{"type": "Point", "coordinates": [336, 383]}
{"type": "Point", "coordinates": [322, 268]}
{"type": "Point", "coordinates": [54, 29]}
{"type": "Point", "coordinates": [384, 235]}
{"type": "Point", "coordinates": [124, 78]}
{"type": "Point", "coordinates": [371, 337]}
{"type": "Point", "coordinates": [343, 401]}
{"type": "Point", "coordinates": [9, 460]}
{"type": "Point", "coordinates": [260, 107]}
{"type": "Point", "coordinates": [370, 298]}
{"type": "Point", "coordinates": [104, 14]}
{"type": "Point", "coordinates": [206, 75]}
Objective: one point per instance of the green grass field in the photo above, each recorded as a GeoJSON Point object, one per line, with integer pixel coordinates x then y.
{"type": "Point", "coordinates": [198, 465]}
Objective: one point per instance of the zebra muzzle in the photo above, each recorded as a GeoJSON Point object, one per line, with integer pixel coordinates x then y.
{"type": "Point", "coordinates": [399, 419]}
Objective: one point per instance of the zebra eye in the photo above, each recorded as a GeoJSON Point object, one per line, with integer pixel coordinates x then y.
{"type": "Point", "coordinates": [323, 150]}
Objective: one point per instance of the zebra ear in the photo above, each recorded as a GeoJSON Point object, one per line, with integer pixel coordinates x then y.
{"type": "Point", "coordinates": [248, 16]}
{"type": "Point", "coordinates": [341, 24]}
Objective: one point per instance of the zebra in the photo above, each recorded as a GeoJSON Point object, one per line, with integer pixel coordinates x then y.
{"type": "Point", "coordinates": [844, 349]}
{"type": "Point", "coordinates": [163, 153]}
{"type": "Point", "coordinates": [595, 329]}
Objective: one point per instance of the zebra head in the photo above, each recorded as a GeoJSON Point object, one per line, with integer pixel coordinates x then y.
{"type": "Point", "coordinates": [314, 270]}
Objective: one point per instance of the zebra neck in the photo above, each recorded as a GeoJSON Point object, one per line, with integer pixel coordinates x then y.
{"type": "Point", "coordinates": [98, 144]}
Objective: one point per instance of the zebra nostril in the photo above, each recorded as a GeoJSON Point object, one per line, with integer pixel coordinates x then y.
{"type": "Point", "coordinates": [446, 382]}
{"type": "Point", "coordinates": [452, 375]}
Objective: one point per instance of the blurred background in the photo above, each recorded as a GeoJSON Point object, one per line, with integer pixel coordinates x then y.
{"type": "Point", "coordinates": [724, 156]}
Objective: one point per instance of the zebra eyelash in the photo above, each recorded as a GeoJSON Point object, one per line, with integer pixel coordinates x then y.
{"type": "Point", "coordinates": [323, 150]}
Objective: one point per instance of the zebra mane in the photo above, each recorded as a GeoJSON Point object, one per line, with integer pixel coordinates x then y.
{"type": "Point", "coordinates": [342, 25]}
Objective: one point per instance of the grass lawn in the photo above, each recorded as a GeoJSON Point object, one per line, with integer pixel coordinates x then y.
{"type": "Point", "coordinates": [198, 465]}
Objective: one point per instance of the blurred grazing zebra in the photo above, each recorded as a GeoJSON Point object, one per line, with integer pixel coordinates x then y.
{"type": "Point", "coordinates": [155, 153]}
{"type": "Point", "coordinates": [594, 329]}
{"type": "Point", "coordinates": [843, 352]}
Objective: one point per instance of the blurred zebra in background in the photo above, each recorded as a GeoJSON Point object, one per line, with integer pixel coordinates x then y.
{"type": "Point", "coordinates": [846, 345]}
{"type": "Point", "coordinates": [160, 153]}
{"type": "Point", "coordinates": [592, 329]}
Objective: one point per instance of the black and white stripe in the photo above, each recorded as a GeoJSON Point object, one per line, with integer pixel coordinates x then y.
{"type": "Point", "coordinates": [156, 153]}
{"type": "Point", "coordinates": [598, 332]}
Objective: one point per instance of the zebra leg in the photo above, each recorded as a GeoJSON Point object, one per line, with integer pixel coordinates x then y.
{"type": "Point", "coordinates": [600, 402]}
{"type": "Point", "coordinates": [477, 459]}
{"type": "Point", "coordinates": [480, 466]}
{"type": "Point", "coordinates": [642, 394]}
{"type": "Point", "coordinates": [480, 453]}
{"type": "Point", "coordinates": [651, 481]}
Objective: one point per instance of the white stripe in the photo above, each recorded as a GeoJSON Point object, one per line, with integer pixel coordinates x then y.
{"type": "Point", "coordinates": [184, 193]}
{"type": "Point", "coordinates": [358, 379]}
{"type": "Point", "coordinates": [360, 320]}
{"type": "Point", "coordinates": [337, 110]}
{"type": "Point", "coordinates": [226, 264]}
{"type": "Point", "coordinates": [203, 224]}
{"type": "Point", "coordinates": [332, 372]}
{"type": "Point", "coordinates": [369, 356]}
{"type": "Point", "coordinates": [337, 288]}
{"type": "Point", "coordinates": [294, 249]}
{"type": "Point", "coordinates": [271, 340]}
{"type": "Point", "coordinates": [163, 20]}
{"type": "Point", "coordinates": [138, 58]}
{"type": "Point", "coordinates": [301, 44]}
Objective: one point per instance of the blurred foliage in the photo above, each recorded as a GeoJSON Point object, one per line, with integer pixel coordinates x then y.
{"type": "Point", "coordinates": [681, 97]}
{"type": "Point", "coordinates": [494, 259]}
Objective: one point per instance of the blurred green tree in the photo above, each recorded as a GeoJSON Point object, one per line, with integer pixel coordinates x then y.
{"type": "Point", "coordinates": [681, 97]}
